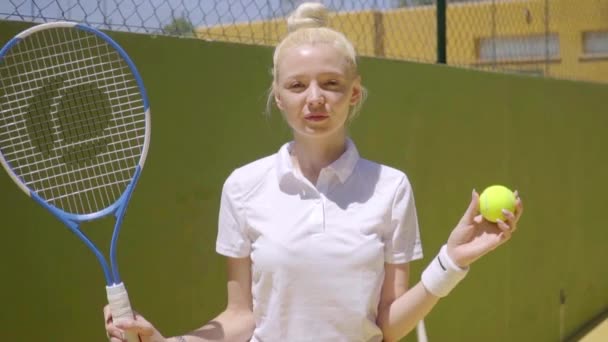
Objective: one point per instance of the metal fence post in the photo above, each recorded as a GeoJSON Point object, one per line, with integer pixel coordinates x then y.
{"type": "Point", "coordinates": [441, 32]}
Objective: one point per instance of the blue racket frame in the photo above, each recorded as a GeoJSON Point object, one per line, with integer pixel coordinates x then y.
{"type": "Point", "coordinates": [118, 208]}
{"type": "Point", "coordinates": [73, 221]}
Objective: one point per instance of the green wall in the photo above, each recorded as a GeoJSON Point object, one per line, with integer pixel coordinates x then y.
{"type": "Point", "coordinates": [451, 130]}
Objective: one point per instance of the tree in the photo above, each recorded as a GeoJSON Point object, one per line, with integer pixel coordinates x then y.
{"type": "Point", "coordinates": [180, 26]}
{"type": "Point", "coordinates": [412, 3]}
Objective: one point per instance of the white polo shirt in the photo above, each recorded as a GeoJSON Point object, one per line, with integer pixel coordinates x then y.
{"type": "Point", "coordinates": [318, 251]}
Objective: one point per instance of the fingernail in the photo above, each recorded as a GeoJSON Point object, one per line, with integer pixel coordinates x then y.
{"type": "Point", "coordinates": [473, 193]}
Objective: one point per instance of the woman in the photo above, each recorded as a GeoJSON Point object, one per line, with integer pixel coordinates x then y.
{"type": "Point", "coordinates": [319, 240]}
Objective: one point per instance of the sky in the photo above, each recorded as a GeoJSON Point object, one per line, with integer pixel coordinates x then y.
{"type": "Point", "coordinates": [151, 15]}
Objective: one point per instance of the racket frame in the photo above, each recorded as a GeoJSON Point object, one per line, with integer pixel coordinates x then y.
{"type": "Point", "coordinates": [118, 208]}
{"type": "Point", "coordinates": [115, 289]}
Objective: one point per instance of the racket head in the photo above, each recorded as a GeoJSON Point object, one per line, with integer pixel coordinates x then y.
{"type": "Point", "coordinates": [74, 118]}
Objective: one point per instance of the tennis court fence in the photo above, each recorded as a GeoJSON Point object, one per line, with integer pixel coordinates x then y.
{"type": "Point", "coordinates": [548, 38]}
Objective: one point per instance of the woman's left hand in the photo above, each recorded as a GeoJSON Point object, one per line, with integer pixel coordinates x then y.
{"type": "Point", "coordinates": [475, 236]}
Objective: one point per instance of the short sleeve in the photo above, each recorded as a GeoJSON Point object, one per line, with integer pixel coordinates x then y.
{"type": "Point", "coordinates": [402, 236]}
{"type": "Point", "coordinates": [232, 240]}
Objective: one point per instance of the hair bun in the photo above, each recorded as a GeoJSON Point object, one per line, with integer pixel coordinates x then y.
{"type": "Point", "coordinates": [308, 15]}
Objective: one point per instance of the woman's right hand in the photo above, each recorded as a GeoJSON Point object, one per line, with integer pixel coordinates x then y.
{"type": "Point", "coordinates": [139, 325]}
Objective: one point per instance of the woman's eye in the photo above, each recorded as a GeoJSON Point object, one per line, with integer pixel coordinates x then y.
{"type": "Point", "coordinates": [332, 83]}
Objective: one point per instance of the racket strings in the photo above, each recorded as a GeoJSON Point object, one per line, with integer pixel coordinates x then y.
{"type": "Point", "coordinates": [75, 79]}
{"type": "Point", "coordinates": [72, 121]}
{"type": "Point", "coordinates": [108, 169]}
{"type": "Point", "coordinates": [81, 139]}
{"type": "Point", "coordinates": [24, 166]}
{"type": "Point", "coordinates": [90, 183]}
{"type": "Point", "coordinates": [85, 63]}
{"type": "Point", "coordinates": [119, 103]}
{"type": "Point", "coordinates": [67, 180]}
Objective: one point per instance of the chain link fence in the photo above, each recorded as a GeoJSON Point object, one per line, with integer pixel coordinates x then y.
{"type": "Point", "coordinates": [553, 38]}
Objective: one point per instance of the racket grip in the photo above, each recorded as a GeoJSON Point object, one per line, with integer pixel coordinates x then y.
{"type": "Point", "coordinates": [120, 307]}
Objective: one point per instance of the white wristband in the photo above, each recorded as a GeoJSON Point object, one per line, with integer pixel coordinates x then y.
{"type": "Point", "coordinates": [442, 274]}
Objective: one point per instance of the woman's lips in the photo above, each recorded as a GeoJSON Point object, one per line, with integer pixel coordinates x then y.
{"type": "Point", "coordinates": [316, 116]}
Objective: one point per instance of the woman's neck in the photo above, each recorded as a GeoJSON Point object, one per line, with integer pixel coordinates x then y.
{"type": "Point", "coordinates": [311, 155]}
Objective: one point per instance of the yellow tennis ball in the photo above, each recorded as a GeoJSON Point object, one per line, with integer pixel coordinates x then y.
{"type": "Point", "coordinates": [493, 200]}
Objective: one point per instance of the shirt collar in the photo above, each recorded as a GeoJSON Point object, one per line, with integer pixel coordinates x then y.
{"type": "Point", "coordinates": [342, 167]}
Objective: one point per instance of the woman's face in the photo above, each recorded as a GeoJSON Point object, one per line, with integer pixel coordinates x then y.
{"type": "Point", "coordinates": [315, 89]}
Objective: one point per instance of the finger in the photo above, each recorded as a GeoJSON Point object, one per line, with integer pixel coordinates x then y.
{"type": "Point", "coordinates": [112, 332]}
{"type": "Point", "coordinates": [509, 216]}
{"type": "Point", "coordinates": [503, 225]}
{"type": "Point", "coordinates": [506, 231]}
{"type": "Point", "coordinates": [504, 237]}
{"type": "Point", "coordinates": [139, 326]}
{"type": "Point", "coordinates": [519, 208]}
{"type": "Point", "coordinates": [115, 334]}
{"type": "Point", "coordinates": [141, 319]}
{"type": "Point", "coordinates": [510, 220]}
{"type": "Point", "coordinates": [472, 210]}
{"type": "Point", "coordinates": [107, 316]}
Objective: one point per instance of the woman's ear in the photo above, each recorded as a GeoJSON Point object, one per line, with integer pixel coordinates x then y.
{"type": "Point", "coordinates": [277, 98]}
{"type": "Point", "coordinates": [356, 91]}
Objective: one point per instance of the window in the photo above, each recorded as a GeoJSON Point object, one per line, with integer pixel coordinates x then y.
{"type": "Point", "coordinates": [532, 47]}
{"type": "Point", "coordinates": [595, 43]}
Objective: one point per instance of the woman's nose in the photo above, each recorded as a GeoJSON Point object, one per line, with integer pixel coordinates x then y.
{"type": "Point", "coordinates": [315, 96]}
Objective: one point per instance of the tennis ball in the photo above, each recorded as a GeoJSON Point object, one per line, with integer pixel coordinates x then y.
{"type": "Point", "coordinates": [493, 200]}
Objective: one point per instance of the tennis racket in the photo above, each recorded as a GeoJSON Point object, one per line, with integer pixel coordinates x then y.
{"type": "Point", "coordinates": [75, 131]}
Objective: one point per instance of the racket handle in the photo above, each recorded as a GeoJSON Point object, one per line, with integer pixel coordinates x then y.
{"type": "Point", "coordinates": [120, 307]}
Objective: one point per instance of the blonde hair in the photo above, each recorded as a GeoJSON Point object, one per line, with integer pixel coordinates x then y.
{"type": "Point", "coordinates": [307, 25]}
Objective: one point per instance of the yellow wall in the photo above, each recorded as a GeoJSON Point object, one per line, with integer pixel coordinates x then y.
{"type": "Point", "coordinates": [567, 18]}
{"type": "Point", "coordinates": [357, 26]}
{"type": "Point", "coordinates": [410, 34]}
